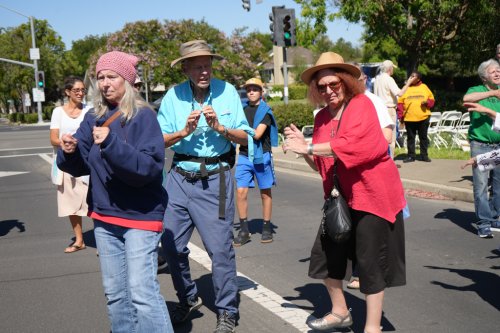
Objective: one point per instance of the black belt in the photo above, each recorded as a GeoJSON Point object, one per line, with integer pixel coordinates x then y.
{"type": "Point", "coordinates": [195, 176]}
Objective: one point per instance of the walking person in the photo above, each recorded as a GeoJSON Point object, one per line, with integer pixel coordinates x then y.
{"type": "Point", "coordinates": [347, 134]}
{"type": "Point", "coordinates": [201, 120]}
{"type": "Point", "coordinates": [483, 139]}
{"type": "Point", "coordinates": [71, 191]}
{"type": "Point", "coordinates": [260, 116]}
{"type": "Point", "coordinates": [414, 106]}
{"type": "Point", "coordinates": [119, 143]}
{"type": "Point", "coordinates": [386, 88]}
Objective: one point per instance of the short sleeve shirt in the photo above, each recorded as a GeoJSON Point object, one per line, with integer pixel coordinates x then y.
{"type": "Point", "coordinates": [179, 102]}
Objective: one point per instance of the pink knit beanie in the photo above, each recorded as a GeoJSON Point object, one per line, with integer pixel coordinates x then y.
{"type": "Point", "coordinates": [121, 63]}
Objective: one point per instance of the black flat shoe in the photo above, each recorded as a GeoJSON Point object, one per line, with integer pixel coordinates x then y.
{"type": "Point", "coordinates": [409, 159]}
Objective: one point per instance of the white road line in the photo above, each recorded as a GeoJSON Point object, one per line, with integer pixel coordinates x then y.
{"type": "Point", "coordinates": [268, 299]}
{"type": "Point", "coordinates": [263, 296]}
{"type": "Point", "coordinates": [8, 149]}
{"type": "Point", "coordinates": [20, 155]}
{"type": "Point", "coordinates": [46, 157]}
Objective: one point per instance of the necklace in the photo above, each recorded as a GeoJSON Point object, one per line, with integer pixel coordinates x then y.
{"type": "Point", "coordinates": [72, 113]}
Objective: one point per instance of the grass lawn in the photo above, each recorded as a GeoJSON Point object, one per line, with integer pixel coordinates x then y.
{"type": "Point", "coordinates": [443, 153]}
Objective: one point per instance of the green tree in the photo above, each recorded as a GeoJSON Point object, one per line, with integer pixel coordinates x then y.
{"type": "Point", "coordinates": [16, 80]}
{"type": "Point", "coordinates": [83, 49]}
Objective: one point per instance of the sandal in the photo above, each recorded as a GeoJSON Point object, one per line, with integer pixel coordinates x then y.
{"type": "Point", "coordinates": [74, 248]}
{"type": "Point", "coordinates": [354, 284]}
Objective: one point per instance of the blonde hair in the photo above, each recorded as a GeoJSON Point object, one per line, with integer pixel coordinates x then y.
{"type": "Point", "coordinates": [129, 105]}
{"type": "Point", "coordinates": [352, 86]}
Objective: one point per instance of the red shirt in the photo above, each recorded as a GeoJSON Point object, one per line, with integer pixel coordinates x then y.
{"type": "Point", "coordinates": [368, 177]}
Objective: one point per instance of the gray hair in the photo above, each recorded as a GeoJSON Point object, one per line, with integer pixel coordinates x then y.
{"type": "Point", "coordinates": [383, 68]}
{"type": "Point", "coordinates": [130, 103]}
{"type": "Point", "coordinates": [482, 69]}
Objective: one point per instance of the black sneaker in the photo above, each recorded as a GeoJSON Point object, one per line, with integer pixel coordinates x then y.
{"type": "Point", "coordinates": [162, 262]}
{"type": "Point", "coordinates": [183, 310]}
{"type": "Point", "coordinates": [425, 159]}
{"type": "Point", "coordinates": [242, 238]}
{"type": "Point", "coordinates": [225, 323]}
{"type": "Point", "coordinates": [267, 233]}
{"type": "Point", "coordinates": [409, 159]}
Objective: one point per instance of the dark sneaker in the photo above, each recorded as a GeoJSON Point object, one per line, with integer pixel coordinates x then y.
{"type": "Point", "coordinates": [267, 233]}
{"type": "Point", "coordinates": [242, 238]}
{"type": "Point", "coordinates": [425, 159]}
{"type": "Point", "coordinates": [495, 226]}
{"type": "Point", "coordinates": [162, 263]}
{"type": "Point", "coordinates": [484, 232]}
{"type": "Point", "coordinates": [182, 311]}
{"type": "Point", "coordinates": [409, 159]}
{"type": "Point", "coordinates": [225, 323]}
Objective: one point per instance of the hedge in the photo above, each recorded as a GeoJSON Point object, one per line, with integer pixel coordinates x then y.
{"type": "Point", "coordinates": [300, 113]}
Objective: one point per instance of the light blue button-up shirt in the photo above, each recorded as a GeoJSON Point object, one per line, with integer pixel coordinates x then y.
{"type": "Point", "coordinates": [179, 102]}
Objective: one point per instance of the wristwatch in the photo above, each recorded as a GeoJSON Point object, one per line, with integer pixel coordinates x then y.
{"type": "Point", "coordinates": [310, 149]}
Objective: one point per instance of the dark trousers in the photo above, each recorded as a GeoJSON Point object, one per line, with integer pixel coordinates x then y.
{"type": "Point", "coordinates": [420, 127]}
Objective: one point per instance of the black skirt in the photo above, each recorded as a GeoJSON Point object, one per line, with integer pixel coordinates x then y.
{"type": "Point", "coordinates": [377, 247]}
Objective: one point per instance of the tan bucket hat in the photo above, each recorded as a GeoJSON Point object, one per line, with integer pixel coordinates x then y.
{"type": "Point", "coordinates": [195, 48]}
{"type": "Point", "coordinates": [330, 60]}
{"type": "Point", "coordinates": [254, 82]}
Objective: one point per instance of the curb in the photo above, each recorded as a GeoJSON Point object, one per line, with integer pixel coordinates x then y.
{"type": "Point", "coordinates": [451, 192]}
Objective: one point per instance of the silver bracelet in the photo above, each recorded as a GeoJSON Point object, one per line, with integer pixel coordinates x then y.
{"type": "Point", "coordinates": [310, 149]}
{"type": "Point", "coordinates": [225, 131]}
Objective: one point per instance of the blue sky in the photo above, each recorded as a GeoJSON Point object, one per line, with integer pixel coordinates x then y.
{"type": "Point", "coordinates": [74, 20]}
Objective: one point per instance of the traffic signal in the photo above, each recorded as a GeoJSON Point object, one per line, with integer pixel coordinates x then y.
{"type": "Point", "coordinates": [275, 26]}
{"type": "Point", "coordinates": [283, 26]}
{"type": "Point", "coordinates": [40, 79]}
{"type": "Point", "coordinates": [246, 5]}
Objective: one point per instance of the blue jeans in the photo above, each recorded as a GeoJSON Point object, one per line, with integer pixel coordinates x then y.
{"type": "Point", "coordinates": [195, 203]}
{"type": "Point", "coordinates": [487, 207]}
{"type": "Point", "coordinates": [128, 260]}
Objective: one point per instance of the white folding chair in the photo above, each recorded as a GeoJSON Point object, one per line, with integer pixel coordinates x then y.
{"type": "Point", "coordinates": [446, 124]}
{"type": "Point", "coordinates": [461, 131]}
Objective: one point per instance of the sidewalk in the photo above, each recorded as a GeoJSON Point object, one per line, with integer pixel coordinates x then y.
{"type": "Point", "coordinates": [444, 177]}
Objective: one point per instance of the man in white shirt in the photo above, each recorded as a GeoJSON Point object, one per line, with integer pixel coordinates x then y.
{"type": "Point", "coordinates": [386, 88]}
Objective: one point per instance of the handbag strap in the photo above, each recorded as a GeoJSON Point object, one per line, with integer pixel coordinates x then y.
{"type": "Point", "coordinates": [335, 180]}
{"type": "Point", "coordinates": [111, 119]}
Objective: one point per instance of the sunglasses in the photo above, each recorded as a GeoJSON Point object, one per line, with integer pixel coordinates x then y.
{"type": "Point", "coordinates": [77, 90]}
{"type": "Point", "coordinates": [334, 86]}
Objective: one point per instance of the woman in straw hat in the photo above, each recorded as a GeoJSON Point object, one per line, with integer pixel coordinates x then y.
{"type": "Point", "coordinates": [347, 133]}
{"type": "Point", "coordinates": [119, 143]}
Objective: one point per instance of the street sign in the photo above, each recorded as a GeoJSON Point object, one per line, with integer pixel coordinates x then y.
{"type": "Point", "coordinates": [35, 54]}
{"type": "Point", "coordinates": [38, 95]}
{"type": "Point", "coordinates": [27, 100]}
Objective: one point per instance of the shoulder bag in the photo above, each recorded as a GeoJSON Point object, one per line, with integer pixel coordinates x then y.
{"type": "Point", "coordinates": [336, 221]}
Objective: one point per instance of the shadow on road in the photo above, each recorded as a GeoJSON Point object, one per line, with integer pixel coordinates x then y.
{"type": "Point", "coordinates": [485, 284]}
{"type": "Point", "coordinates": [460, 218]}
{"type": "Point", "coordinates": [7, 225]}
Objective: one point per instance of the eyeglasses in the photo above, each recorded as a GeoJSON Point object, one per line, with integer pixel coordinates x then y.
{"type": "Point", "coordinates": [334, 86]}
{"type": "Point", "coordinates": [77, 90]}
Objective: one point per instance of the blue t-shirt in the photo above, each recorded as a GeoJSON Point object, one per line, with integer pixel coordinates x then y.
{"type": "Point", "coordinates": [179, 102]}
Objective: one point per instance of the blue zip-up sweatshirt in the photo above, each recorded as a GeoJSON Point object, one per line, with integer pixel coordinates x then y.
{"type": "Point", "coordinates": [125, 170]}
{"type": "Point", "coordinates": [261, 112]}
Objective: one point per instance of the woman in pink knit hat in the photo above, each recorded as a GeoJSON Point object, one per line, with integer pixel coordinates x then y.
{"type": "Point", "coordinates": [120, 145]}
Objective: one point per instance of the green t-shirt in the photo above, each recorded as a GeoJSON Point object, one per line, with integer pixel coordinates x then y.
{"type": "Point", "coordinates": [480, 125]}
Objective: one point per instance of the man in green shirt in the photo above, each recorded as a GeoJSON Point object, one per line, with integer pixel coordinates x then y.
{"type": "Point", "coordinates": [482, 140]}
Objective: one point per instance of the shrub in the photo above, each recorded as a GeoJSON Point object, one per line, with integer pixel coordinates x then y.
{"type": "Point", "coordinates": [31, 118]}
{"type": "Point", "coordinates": [47, 111]}
{"type": "Point", "coordinates": [298, 113]}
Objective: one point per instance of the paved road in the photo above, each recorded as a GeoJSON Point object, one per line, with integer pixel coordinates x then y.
{"type": "Point", "coordinates": [453, 281]}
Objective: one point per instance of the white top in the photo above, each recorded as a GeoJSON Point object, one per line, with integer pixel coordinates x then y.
{"type": "Point", "coordinates": [383, 114]}
{"type": "Point", "coordinates": [386, 88]}
{"type": "Point", "coordinates": [60, 120]}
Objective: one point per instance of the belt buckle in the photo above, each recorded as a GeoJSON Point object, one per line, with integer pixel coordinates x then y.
{"type": "Point", "coordinates": [191, 175]}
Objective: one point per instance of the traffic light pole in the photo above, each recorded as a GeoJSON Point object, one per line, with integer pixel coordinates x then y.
{"type": "Point", "coordinates": [285, 78]}
{"type": "Point", "coordinates": [35, 66]}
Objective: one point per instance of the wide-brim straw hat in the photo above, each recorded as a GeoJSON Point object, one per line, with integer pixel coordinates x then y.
{"type": "Point", "coordinates": [195, 48]}
{"type": "Point", "coordinates": [330, 60]}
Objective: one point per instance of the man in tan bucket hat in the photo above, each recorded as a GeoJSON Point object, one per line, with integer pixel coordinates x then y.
{"type": "Point", "coordinates": [202, 119]}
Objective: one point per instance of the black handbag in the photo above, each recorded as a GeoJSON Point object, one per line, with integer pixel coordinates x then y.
{"type": "Point", "coordinates": [336, 221]}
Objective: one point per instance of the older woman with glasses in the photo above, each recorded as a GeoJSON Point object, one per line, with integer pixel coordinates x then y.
{"type": "Point", "coordinates": [71, 191]}
{"type": "Point", "coordinates": [347, 133]}
{"type": "Point", "coordinates": [120, 144]}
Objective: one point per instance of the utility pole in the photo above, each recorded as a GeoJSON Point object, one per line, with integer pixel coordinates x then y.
{"type": "Point", "coordinates": [34, 55]}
